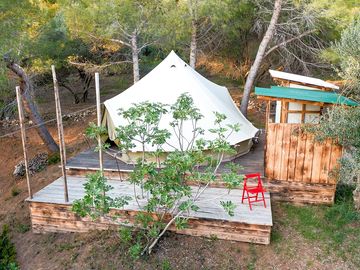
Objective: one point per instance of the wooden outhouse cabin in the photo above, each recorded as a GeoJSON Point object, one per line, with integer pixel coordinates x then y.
{"type": "Point", "coordinates": [299, 99]}
{"type": "Point", "coordinates": [298, 168]}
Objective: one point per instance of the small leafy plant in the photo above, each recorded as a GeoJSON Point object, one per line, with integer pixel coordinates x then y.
{"type": "Point", "coordinates": [162, 179]}
{"type": "Point", "coordinates": [7, 251]}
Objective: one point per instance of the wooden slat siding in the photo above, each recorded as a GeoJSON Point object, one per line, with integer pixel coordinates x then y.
{"type": "Point", "coordinates": [50, 213]}
{"type": "Point", "coordinates": [285, 154]}
{"type": "Point", "coordinates": [48, 217]}
{"type": "Point", "coordinates": [309, 168]}
{"type": "Point", "coordinates": [336, 153]}
{"type": "Point", "coordinates": [325, 162]}
{"type": "Point", "coordinates": [316, 166]}
{"type": "Point", "coordinates": [62, 213]}
{"type": "Point", "coordinates": [278, 151]}
{"type": "Point", "coordinates": [308, 161]}
{"type": "Point", "coordinates": [209, 202]}
{"type": "Point", "coordinates": [300, 193]}
{"type": "Point", "coordinates": [292, 153]}
{"type": "Point", "coordinates": [300, 157]}
{"type": "Point", "coordinates": [270, 149]}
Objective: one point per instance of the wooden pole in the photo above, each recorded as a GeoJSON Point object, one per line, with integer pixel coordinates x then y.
{"type": "Point", "coordinates": [267, 117]}
{"type": "Point", "coordinates": [23, 138]}
{"type": "Point", "coordinates": [98, 112]}
{"type": "Point", "coordinates": [60, 132]}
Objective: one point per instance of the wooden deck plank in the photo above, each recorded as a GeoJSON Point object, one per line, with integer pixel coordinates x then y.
{"type": "Point", "coordinates": [88, 160]}
{"type": "Point", "coordinates": [209, 202]}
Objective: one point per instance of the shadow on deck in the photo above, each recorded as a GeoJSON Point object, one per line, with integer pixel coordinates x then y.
{"type": "Point", "coordinates": [88, 161]}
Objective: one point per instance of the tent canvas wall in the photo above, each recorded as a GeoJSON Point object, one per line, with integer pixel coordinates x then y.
{"type": "Point", "coordinates": [165, 83]}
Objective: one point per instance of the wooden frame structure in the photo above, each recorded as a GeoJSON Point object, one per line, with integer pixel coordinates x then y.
{"type": "Point", "coordinates": [49, 213]}
{"type": "Point", "coordinates": [51, 207]}
{"type": "Point", "coordinates": [299, 169]}
{"type": "Point", "coordinates": [23, 139]}
{"type": "Point", "coordinates": [285, 108]}
{"type": "Point", "coordinates": [60, 133]}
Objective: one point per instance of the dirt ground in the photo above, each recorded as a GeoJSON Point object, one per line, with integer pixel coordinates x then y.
{"type": "Point", "coordinates": [101, 250]}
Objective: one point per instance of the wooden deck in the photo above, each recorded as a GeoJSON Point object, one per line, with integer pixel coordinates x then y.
{"type": "Point", "coordinates": [49, 213]}
{"type": "Point", "coordinates": [88, 161]}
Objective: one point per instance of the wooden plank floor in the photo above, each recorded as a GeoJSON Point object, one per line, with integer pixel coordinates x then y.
{"type": "Point", "coordinates": [209, 202]}
{"type": "Point", "coordinates": [49, 213]}
{"type": "Point", "coordinates": [88, 160]}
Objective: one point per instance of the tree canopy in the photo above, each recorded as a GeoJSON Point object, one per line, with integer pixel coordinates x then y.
{"type": "Point", "coordinates": [126, 36]}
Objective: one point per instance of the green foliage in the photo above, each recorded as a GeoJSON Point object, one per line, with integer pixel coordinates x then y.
{"type": "Point", "coordinates": [165, 265]}
{"type": "Point", "coordinates": [181, 223]}
{"type": "Point", "coordinates": [54, 158]}
{"type": "Point", "coordinates": [15, 191]}
{"type": "Point", "coordinates": [233, 178]}
{"type": "Point", "coordinates": [125, 234]}
{"type": "Point", "coordinates": [166, 183]}
{"type": "Point", "coordinates": [348, 49]}
{"type": "Point", "coordinates": [344, 193]}
{"type": "Point", "coordinates": [7, 251]}
{"type": "Point", "coordinates": [330, 227]}
{"type": "Point", "coordinates": [22, 228]}
{"type": "Point", "coordinates": [343, 126]}
{"type": "Point", "coordinates": [96, 202]}
{"type": "Point", "coordinates": [93, 131]}
{"type": "Point", "coordinates": [143, 125]}
{"type": "Point", "coordinates": [135, 250]}
{"type": "Point", "coordinates": [229, 207]}
{"type": "Point", "coordinates": [163, 184]}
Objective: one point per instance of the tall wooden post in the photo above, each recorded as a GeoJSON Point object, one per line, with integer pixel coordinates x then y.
{"type": "Point", "coordinates": [60, 132]}
{"type": "Point", "coordinates": [98, 112]}
{"type": "Point", "coordinates": [267, 116]}
{"type": "Point", "coordinates": [23, 138]}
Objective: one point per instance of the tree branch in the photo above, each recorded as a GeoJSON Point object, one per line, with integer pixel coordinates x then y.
{"type": "Point", "coordinates": [110, 39]}
{"type": "Point", "coordinates": [288, 41]}
{"type": "Point", "coordinates": [102, 66]}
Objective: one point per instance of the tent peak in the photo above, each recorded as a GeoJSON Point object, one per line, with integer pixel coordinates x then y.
{"type": "Point", "coordinates": [173, 61]}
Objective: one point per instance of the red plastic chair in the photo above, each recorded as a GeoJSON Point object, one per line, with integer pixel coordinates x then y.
{"type": "Point", "coordinates": [252, 192]}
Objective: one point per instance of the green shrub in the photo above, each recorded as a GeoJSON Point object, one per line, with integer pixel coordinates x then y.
{"type": "Point", "coordinates": [7, 251]}
{"type": "Point", "coordinates": [344, 192]}
{"type": "Point", "coordinates": [54, 159]}
{"type": "Point", "coordinates": [15, 191]}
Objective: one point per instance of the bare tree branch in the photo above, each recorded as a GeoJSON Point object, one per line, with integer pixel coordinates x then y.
{"type": "Point", "coordinates": [288, 41]}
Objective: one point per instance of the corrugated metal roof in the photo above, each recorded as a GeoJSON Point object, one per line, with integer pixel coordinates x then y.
{"type": "Point", "coordinates": [301, 79]}
{"type": "Point", "coordinates": [304, 94]}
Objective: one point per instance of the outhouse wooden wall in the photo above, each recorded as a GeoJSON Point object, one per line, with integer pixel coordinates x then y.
{"type": "Point", "coordinates": [297, 167]}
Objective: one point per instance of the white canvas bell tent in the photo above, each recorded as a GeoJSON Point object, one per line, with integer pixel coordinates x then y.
{"type": "Point", "coordinates": [164, 84]}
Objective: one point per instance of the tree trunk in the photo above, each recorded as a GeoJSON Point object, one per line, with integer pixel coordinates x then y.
{"type": "Point", "coordinates": [193, 44]}
{"type": "Point", "coordinates": [72, 91]}
{"type": "Point", "coordinates": [31, 108]}
{"type": "Point", "coordinates": [86, 79]}
{"type": "Point", "coordinates": [259, 57]}
{"type": "Point", "coordinates": [135, 57]}
{"type": "Point", "coordinates": [193, 8]}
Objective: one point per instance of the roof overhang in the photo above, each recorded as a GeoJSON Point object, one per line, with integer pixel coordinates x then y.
{"type": "Point", "coordinates": [302, 95]}
{"type": "Point", "coordinates": [295, 78]}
